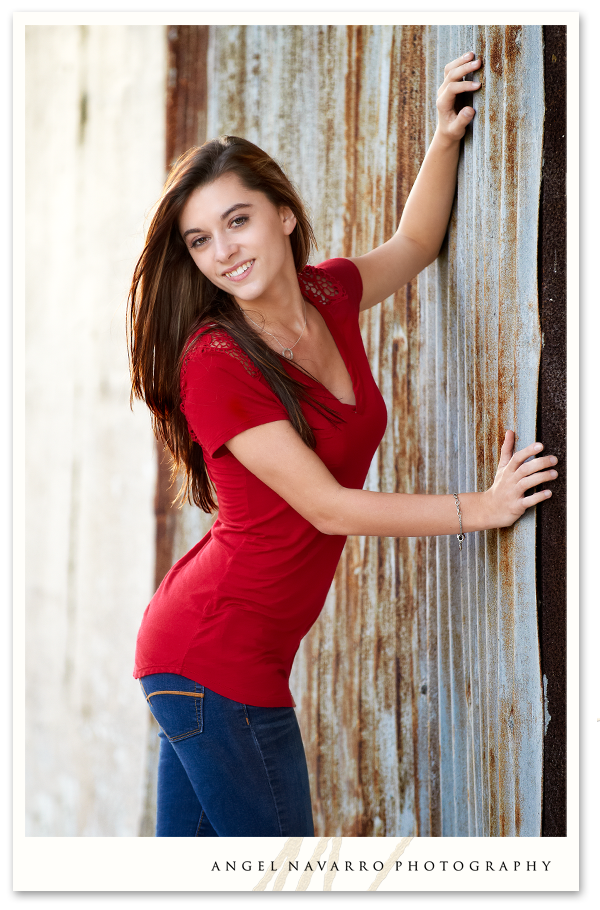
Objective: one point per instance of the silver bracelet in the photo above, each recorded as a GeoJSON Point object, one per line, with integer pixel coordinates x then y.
{"type": "Point", "coordinates": [460, 537]}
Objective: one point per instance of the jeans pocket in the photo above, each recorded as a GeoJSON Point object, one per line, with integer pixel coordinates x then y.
{"type": "Point", "coordinates": [177, 704]}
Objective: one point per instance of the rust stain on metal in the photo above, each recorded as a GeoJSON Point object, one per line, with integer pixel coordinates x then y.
{"type": "Point", "coordinates": [496, 51]}
{"type": "Point", "coordinates": [512, 44]}
{"type": "Point", "coordinates": [186, 89]}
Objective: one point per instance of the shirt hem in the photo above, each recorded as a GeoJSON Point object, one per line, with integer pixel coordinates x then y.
{"type": "Point", "coordinates": [283, 701]}
{"type": "Point", "coordinates": [215, 444]}
{"type": "Point", "coordinates": [139, 673]}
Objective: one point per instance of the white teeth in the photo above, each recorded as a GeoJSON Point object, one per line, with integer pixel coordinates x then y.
{"type": "Point", "coordinates": [240, 270]}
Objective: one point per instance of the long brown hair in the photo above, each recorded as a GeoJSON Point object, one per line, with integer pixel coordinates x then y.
{"type": "Point", "coordinates": [170, 299]}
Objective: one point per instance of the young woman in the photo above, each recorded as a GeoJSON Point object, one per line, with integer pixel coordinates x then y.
{"type": "Point", "coordinates": [252, 364]}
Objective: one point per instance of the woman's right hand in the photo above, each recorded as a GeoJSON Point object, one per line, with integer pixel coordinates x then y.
{"type": "Point", "coordinates": [453, 125]}
{"type": "Point", "coordinates": [505, 501]}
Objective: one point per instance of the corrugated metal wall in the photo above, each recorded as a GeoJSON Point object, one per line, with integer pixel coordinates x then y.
{"type": "Point", "coordinates": [418, 690]}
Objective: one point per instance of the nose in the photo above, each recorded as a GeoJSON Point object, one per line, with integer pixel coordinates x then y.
{"type": "Point", "coordinates": [224, 248]}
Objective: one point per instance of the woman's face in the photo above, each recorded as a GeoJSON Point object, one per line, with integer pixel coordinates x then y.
{"type": "Point", "coordinates": [237, 237]}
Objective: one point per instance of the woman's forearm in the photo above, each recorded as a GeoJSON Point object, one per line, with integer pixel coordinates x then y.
{"type": "Point", "coordinates": [428, 207]}
{"type": "Point", "coordinates": [363, 512]}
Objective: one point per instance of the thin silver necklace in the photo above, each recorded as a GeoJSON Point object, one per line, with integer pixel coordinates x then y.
{"type": "Point", "coordinates": [285, 352]}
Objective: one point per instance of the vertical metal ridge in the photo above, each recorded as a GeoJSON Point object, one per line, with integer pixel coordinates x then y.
{"type": "Point", "coordinates": [506, 373]}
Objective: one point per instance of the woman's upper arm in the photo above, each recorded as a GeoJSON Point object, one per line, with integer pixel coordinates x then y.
{"type": "Point", "coordinates": [275, 453]}
{"type": "Point", "coordinates": [388, 268]}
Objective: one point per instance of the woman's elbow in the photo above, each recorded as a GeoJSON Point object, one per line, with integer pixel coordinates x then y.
{"type": "Point", "coordinates": [328, 522]}
{"type": "Point", "coordinates": [328, 527]}
{"type": "Point", "coordinates": [323, 517]}
{"type": "Point", "coordinates": [325, 507]}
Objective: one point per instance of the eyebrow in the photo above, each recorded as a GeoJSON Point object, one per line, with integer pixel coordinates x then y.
{"type": "Point", "coordinates": [233, 208]}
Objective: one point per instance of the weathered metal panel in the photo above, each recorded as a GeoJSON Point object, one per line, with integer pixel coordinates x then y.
{"type": "Point", "coordinates": [418, 690]}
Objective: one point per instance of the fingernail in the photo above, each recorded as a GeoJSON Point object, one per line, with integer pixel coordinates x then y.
{"type": "Point", "coordinates": [467, 55]}
{"type": "Point", "coordinates": [538, 447]}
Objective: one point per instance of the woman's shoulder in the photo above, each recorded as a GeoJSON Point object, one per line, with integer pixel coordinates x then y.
{"type": "Point", "coordinates": [332, 281]}
{"type": "Point", "coordinates": [212, 340]}
{"type": "Point", "coordinates": [214, 365]}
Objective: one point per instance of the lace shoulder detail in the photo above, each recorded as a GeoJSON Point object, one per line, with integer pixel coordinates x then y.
{"type": "Point", "coordinates": [218, 340]}
{"type": "Point", "coordinates": [319, 286]}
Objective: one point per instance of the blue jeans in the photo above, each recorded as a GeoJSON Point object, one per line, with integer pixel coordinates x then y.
{"type": "Point", "coordinates": [226, 769]}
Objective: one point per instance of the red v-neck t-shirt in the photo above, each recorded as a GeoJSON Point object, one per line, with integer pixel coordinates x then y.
{"type": "Point", "coordinates": [232, 612]}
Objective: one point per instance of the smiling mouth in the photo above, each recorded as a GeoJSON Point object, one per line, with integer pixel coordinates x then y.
{"type": "Point", "coordinates": [236, 274]}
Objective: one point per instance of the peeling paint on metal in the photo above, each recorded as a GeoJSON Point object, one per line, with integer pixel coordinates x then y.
{"type": "Point", "coordinates": [418, 690]}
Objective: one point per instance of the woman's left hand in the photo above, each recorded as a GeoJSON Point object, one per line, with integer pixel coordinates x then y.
{"type": "Point", "coordinates": [450, 124]}
{"type": "Point", "coordinates": [518, 472]}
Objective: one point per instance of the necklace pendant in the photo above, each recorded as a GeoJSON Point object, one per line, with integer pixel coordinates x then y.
{"type": "Point", "coordinates": [288, 353]}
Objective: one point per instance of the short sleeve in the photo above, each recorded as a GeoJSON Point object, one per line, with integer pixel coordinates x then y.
{"type": "Point", "coordinates": [223, 394]}
{"type": "Point", "coordinates": [333, 281]}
